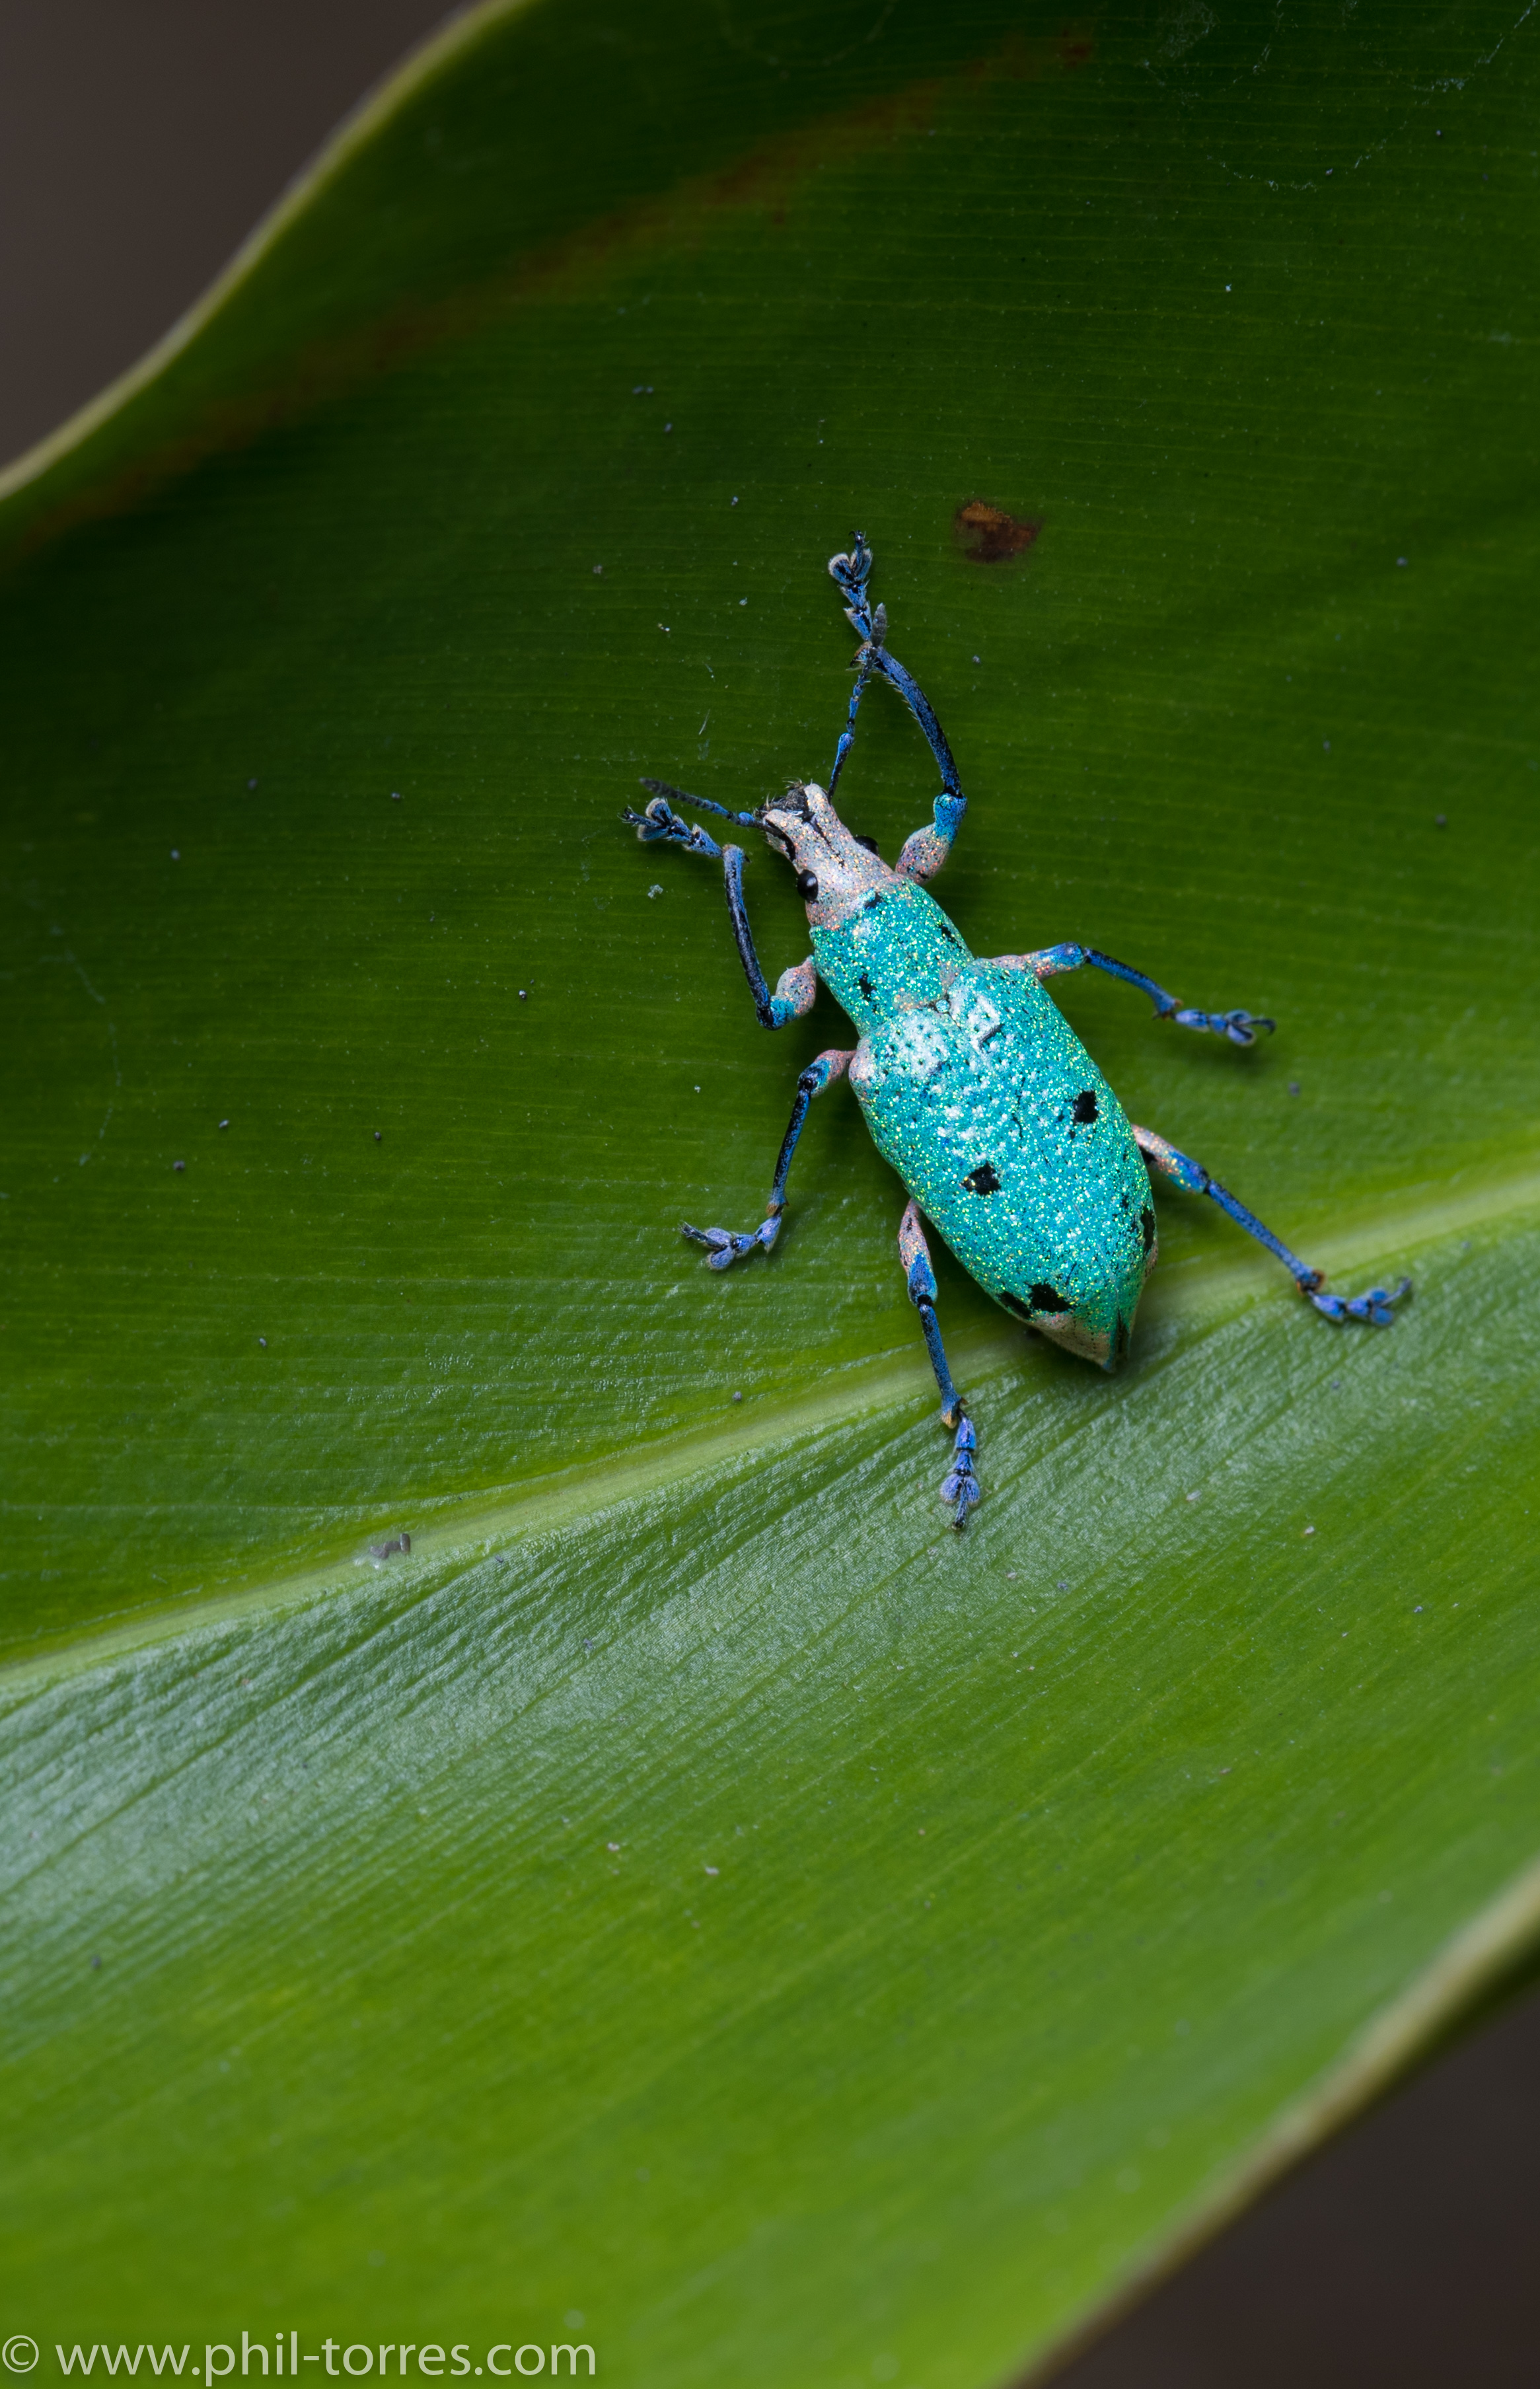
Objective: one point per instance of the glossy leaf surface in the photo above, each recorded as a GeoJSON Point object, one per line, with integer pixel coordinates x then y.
{"type": "Point", "coordinates": [977, 1907]}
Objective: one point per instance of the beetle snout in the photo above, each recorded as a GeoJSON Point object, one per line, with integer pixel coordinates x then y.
{"type": "Point", "coordinates": [787, 821]}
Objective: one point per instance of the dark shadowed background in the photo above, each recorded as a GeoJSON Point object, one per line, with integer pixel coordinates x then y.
{"type": "Point", "coordinates": [139, 142]}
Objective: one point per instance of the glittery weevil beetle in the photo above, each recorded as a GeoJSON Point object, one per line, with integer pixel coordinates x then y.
{"type": "Point", "coordinates": [975, 1087]}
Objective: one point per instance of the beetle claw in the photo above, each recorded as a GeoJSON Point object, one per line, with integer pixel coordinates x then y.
{"type": "Point", "coordinates": [1375, 1307]}
{"type": "Point", "coordinates": [724, 1246]}
{"type": "Point", "coordinates": [960, 1486]}
{"type": "Point", "coordinates": [660, 820]}
{"type": "Point", "coordinates": [1240, 1027]}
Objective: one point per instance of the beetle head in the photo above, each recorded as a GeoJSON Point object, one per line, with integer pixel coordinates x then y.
{"type": "Point", "coordinates": [835, 869]}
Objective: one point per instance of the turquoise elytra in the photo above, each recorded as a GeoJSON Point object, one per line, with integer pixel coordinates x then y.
{"type": "Point", "coordinates": [979, 1094]}
{"type": "Point", "coordinates": [1012, 1143]}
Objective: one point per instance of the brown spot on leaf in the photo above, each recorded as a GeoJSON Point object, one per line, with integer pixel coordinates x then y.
{"type": "Point", "coordinates": [286, 383]}
{"type": "Point", "coordinates": [989, 535]}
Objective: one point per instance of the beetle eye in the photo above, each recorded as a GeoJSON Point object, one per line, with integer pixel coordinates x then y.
{"type": "Point", "coordinates": [807, 885]}
{"type": "Point", "coordinates": [869, 844]}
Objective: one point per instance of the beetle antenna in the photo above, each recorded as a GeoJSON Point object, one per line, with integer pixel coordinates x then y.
{"type": "Point", "coordinates": [702, 804]}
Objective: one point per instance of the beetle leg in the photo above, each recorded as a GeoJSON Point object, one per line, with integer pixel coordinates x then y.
{"type": "Point", "coordinates": [796, 989]}
{"type": "Point", "coordinates": [1376, 1308]}
{"type": "Point", "coordinates": [847, 735]}
{"type": "Point", "coordinates": [1240, 1027]}
{"type": "Point", "coordinates": [724, 1247]}
{"type": "Point", "coordinates": [960, 1486]}
{"type": "Point", "coordinates": [924, 854]}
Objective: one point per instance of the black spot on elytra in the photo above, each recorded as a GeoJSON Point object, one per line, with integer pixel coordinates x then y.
{"type": "Point", "coordinates": [865, 986]}
{"type": "Point", "coordinates": [1047, 1297]}
{"type": "Point", "coordinates": [985, 1179]}
{"type": "Point", "coordinates": [951, 934]}
{"type": "Point", "coordinates": [869, 844]}
{"type": "Point", "coordinates": [1014, 1302]}
{"type": "Point", "coordinates": [1147, 1226]}
{"type": "Point", "coordinates": [1085, 1108]}
{"type": "Point", "coordinates": [872, 904]}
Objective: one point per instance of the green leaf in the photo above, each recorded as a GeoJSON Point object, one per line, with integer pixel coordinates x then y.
{"type": "Point", "coordinates": [692, 1891]}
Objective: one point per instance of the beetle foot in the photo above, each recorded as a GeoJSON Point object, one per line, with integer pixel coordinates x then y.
{"type": "Point", "coordinates": [1373, 1307]}
{"type": "Point", "coordinates": [661, 821]}
{"type": "Point", "coordinates": [962, 1487]}
{"type": "Point", "coordinates": [724, 1247]}
{"type": "Point", "coordinates": [1240, 1027]}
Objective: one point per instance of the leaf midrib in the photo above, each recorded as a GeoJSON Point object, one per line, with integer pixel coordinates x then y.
{"type": "Point", "coordinates": [479, 1524]}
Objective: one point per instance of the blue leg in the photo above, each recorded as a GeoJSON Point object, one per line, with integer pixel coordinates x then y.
{"type": "Point", "coordinates": [924, 854]}
{"type": "Point", "coordinates": [796, 989]}
{"type": "Point", "coordinates": [960, 1486]}
{"type": "Point", "coordinates": [847, 735]}
{"type": "Point", "coordinates": [722, 1244]}
{"type": "Point", "coordinates": [1375, 1308]}
{"type": "Point", "coordinates": [1240, 1027]}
